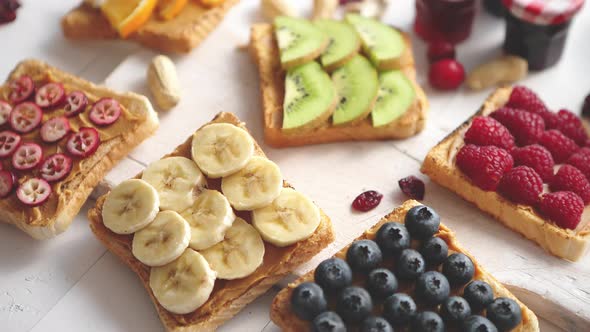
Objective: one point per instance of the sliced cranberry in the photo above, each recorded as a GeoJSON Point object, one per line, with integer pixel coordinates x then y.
{"type": "Point", "coordinates": [7, 181]}
{"type": "Point", "coordinates": [105, 112]}
{"type": "Point", "coordinates": [83, 143]}
{"type": "Point", "coordinates": [9, 142]}
{"type": "Point", "coordinates": [5, 110]}
{"type": "Point", "coordinates": [21, 89]}
{"type": "Point", "coordinates": [367, 201]}
{"type": "Point", "coordinates": [76, 103]}
{"type": "Point", "coordinates": [25, 117]}
{"type": "Point", "coordinates": [50, 95]}
{"type": "Point", "coordinates": [55, 129]}
{"type": "Point", "coordinates": [34, 192]}
{"type": "Point", "coordinates": [27, 156]}
{"type": "Point", "coordinates": [413, 187]}
{"type": "Point", "coordinates": [56, 167]}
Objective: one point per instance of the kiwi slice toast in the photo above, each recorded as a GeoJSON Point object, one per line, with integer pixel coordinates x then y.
{"type": "Point", "coordinates": [357, 84]}
{"type": "Point", "coordinates": [310, 97]}
{"type": "Point", "coordinates": [344, 43]}
{"type": "Point", "coordinates": [396, 95]}
{"type": "Point", "coordinates": [383, 44]}
{"type": "Point", "coordinates": [299, 41]}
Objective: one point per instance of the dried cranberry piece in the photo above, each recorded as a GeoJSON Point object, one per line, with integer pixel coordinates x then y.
{"type": "Point", "coordinates": [367, 201]}
{"type": "Point", "coordinates": [8, 10]}
{"type": "Point", "coordinates": [413, 187]}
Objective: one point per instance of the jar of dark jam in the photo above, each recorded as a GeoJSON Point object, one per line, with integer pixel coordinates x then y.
{"type": "Point", "coordinates": [537, 30]}
{"type": "Point", "coordinates": [494, 7]}
{"type": "Point", "coordinates": [444, 20]}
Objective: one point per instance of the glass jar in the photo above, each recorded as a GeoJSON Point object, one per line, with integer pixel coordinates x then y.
{"type": "Point", "coordinates": [444, 20]}
{"type": "Point", "coordinates": [494, 7]}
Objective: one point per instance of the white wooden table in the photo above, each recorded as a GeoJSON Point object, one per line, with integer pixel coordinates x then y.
{"type": "Point", "coordinates": [71, 284]}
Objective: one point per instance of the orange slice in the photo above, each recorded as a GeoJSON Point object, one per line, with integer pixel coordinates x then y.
{"type": "Point", "coordinates": [211, 3]}
{"type": "Point", "coordinates": [169, 9]}
{"type": "Point", "coordinates": [129, 15]}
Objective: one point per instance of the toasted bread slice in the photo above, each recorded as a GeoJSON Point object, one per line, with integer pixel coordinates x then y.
{"type": "Point", "coordinates": [51, 219]}
{"type": "Point", "coordinates": [282, 315]}
{"type": "Point", "coordinates": [229, 296]}
{"type": "Point", "coordinates": [440, 166]}
{"type": "Point", "coordinates": [178, 35]}
{"type": "Point", "coordinates": [265, 52]}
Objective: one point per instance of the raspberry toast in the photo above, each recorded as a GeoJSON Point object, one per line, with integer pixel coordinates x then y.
{"type": "Point", "coordinates": [524, 165]}
{"type": "Point", "coordinates": [237, 271]}
{"type": "Point", "coordinates": [390, 282]}
{"type": "Point", "coordinates": [54, 150]}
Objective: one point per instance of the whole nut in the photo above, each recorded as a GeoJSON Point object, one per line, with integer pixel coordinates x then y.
{"type": "Point", "coordinates": [367, 8]}
{"type": "Point", "coordinates": [274, 8]}
{"type": "Point", "coordinates": [324, 9]}
{"type": "Point", "coordinates": [163, 82]}
{"type": "Point", "coordinates": [505, 69]}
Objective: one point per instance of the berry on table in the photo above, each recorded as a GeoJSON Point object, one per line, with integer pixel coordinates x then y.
{"type": "Point", "coordinates": [392, 238]}
{"type": "Point", "coordinates": [560, 146]}
{"type": "Point", "coordinates": [413, 187]}
{"type": "Point", "coordinates": [399, 309]}
{"type": "Point", "coordinates": [564, 208]}
{"type": "Point", "coordinates": [459, 269]}
{"type": "Point", "coordinates": [333, 274]}
{"type": "Point", "coordinates": [446, 74]}
{"type": "Point", "coordinates": [538, 158]}
{"type": "Point", "coordinates": [484, 165]}
{"type": "Point", "coordinates": [328, 321]}
{"type": "Point", "coordinates": [364, 255]}
{"type": "Point", "coordinates": [479, 294]}
{"type": "Point", "coordinates": [367, 201]}
{"type": "Point", "coordinates": [569, 178]}
{"type": "Point", "coordinates": [308, 301]}
{"type": "Point", "coordinates": [522, 185]}
{"type": "Point", "coordinates": [422, 222]}
{"type": "Point", "coordinates": [410, 264]}
{"type": "Point", "coordinates": [432, 288]}
{"type": "Point", "coordinates": [438, 50]}
{"type": "Point", "coordinates": [505, 313]}
{"type": "Point", "coordinates": [526, 127]}
{"type": "Point", "coordinates": [354, 304]}
{"type": "Point", "coordinates": [434, 250]}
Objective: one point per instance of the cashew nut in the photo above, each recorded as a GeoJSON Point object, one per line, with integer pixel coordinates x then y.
{"type": "Point", "coordinates": [505, 69]}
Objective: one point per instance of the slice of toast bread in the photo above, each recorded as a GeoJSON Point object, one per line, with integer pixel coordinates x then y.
{"type": "Point", "coordinates": [264, 50]}
{"type": "Point", "coordinates": [74, 190]}
{"type": "Point", "coordinates": [282, 315]}
{"type": "Point", "coordinates": [228, 296]}
{"type": "Point", "coordinates": [440, 166]}
{"type": "Point", "coordinates": [178, 35]}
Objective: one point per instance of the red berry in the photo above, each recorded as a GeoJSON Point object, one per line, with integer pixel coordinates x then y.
{"type": "Point", "coordinates": [524, 98]}
{"type": "Point", "coordinates": [564, 208]}
{"type": "Point", "coordinates": [487, 131]}
{"type": "Point", "coordinates": [50, 95]}
{"type": "Point", "coordinates": [83, 143]}
{"type": "Point", "coordinates": [569, 178]}
{"type": "Point", "coordinates": [581, 161]}
{"type": "Point", "coordinates": [536, 157]}
{"type": "Point", "coordinates": [367, 201]}
{"type": "Point", "coordinates": [105, 112]}
{"type": "Point", "coordinates": [484, 165]}
{"type": "Point", "coordinates": [34, 192]}
{"type": "Point", "coordinates": [76, 102]}
{"type": "Point", "coordinates": [522, 185]}
{"type": "Point", "coordinates": [438, 50]}
{"type": "Point", "coordinates": [526, 127]}
{"type": "Point", "coordinates": [22, 89]}
{"type": "Point", "coordinates": [413, 187]}
{"type": "Point", "coordinates": [27, 156]}
{"type": "Point", "coordinates": [560, 146]}
{"type": "Point", "coordinates": [571, 126]}
{"type": "Point", "coordinates": [446, 74]}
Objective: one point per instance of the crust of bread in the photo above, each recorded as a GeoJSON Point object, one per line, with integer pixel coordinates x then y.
{"type": "Point", "coordinates": [564, 243]}
{"type": "Point", "coordinates": [225, 308]}
{"type": "Point", "coordinates": [179, 35]}
{"type": "Point", "coordinates": [282, 315]}
{"type": "Point", "coordinates": [78, 188]}
{"type": "Point", "coordinates": [264, 51]}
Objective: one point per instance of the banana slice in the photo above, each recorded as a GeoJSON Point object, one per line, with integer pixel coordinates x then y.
{"type": "Point", "coordinates": [130, 206]}
{"type": "Point", "coordinates": [177, 180]}
{"type": "Point", "coordinates": [183, 285]}
{"type": "Point", "coordinates": [254, 186]}
{"type": "Point", "coordinates": [221, 149]}
{"type": "Point", "coordinates": [290, 218]}
{"type": "Point", "coordinates": [163, 241]}
{"type": "Point", "coordinates": [209, 217]}
{"type": "Point", "coordinates": [239, 254]}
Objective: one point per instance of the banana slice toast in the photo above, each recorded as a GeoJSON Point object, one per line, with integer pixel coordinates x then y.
{"type": "Point", "coordinates": [210, 227]}
{"type": "Point", "coordinates": [407, 272]}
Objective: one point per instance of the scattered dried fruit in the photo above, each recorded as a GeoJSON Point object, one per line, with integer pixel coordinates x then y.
{"type": "Point", "coordinates": [8, 10]}
{"type": "Point", "coordinates": [505, 69]}
{"type": "Point", "coordinates": [367, 201]}
{"type": "Point", "coordinates": [413, 187]}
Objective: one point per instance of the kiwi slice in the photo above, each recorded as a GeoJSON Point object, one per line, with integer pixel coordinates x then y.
{"type": "Point", "coordinates": [299, 41]}
{"type": "Point", "coordinates": [310, 97]}
{"type": "Point", "coordinates": [357, 84]}
{"type": "Point", "coordinates": [344, 43]}
{"type": "Point", "coordinates": [383, 44]}
{"type": "Point", "coordinates": [396, 95]}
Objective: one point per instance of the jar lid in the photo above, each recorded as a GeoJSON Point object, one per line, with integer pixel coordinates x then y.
{"type": "Point", "coordinates": [544, 12]}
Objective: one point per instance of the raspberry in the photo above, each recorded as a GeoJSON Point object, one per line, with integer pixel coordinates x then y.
{"type": "Point", "coordinates": [564, 208]}
{"type": "Point", "coordinates": [569, 178]}
{"type": "Point", "coordinates": [522, 185]}
{"type": "Point", "coordinates": [571, 126]}
{"type": "Point", "coordinates": [536, 157]}
{"type": "Point", "coordinates": [560, 146]}
{"type": "Point", "coordinates": [484, 165]}
{"type": "Point", "coordinates": [526, 127]}
{"type": "Point", "coordinates": [581, 161]}
{"type": "Point", "coordinates": [525, 99]}
{"type": "Point", "coordinates": [487, 131]}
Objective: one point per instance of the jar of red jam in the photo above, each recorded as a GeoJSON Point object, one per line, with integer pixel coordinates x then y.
{"type": "Point", "coordinates": [537, 30]}
{"type": "Point", "coordinates": [444, 20]}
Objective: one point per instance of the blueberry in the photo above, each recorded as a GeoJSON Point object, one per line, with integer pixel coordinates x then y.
{"type": "Point", "coordinates": [432, 288]}
{"type": "Point", "coordinates": [410, 264]}
{"type": "Point", "coordinates": [478, 324]}
{"type": "Point", "coordinates": [392, 238]}
{"type": "Point", "coordinates": [328, 321]}
{"type": "Point", "coordinates": [459, 269]}
{"type": "Point", "coordinates": [364, 255]}
{"type": "Point", "coordinates": [375, 324]}
{"type": "Point", "coordinates": [479, 294]}
{"type": "Point", "coordinates": [434, 250]}
{"type": "Point", "coordinates": [428, 321]}
{"type": "Point", "coordinates": [381, 283]}
{"type": "Point", "coordinates": [354, 304]}
{"type": "Point", "coordinates": [422, 222]}
{"type": "Point", "coordinates": [333, 274]}
{"type": "Point", "coordinates": [308, 300]}
{"type": "Point", "coordinates": [455, 309]}
{"type": "Point", "coordinates": [504, 313]}
{"type": "Point", "coordinates": [399, 309]}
